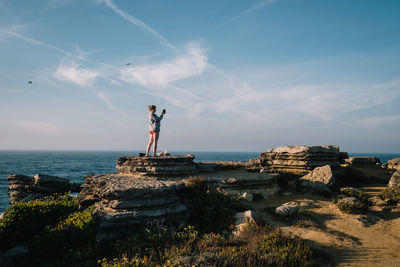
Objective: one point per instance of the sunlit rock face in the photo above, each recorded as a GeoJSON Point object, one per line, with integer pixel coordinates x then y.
{"type": "Point", "coordinates": [41, 185]}
{"type": "Point", "coordinates": [301, 159]}
{"type": "Point", "coordinates": [125, 201]}
{"type": "Point", "coordinates": [393, 164]}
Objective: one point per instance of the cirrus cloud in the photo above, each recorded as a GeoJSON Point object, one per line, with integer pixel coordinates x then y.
{"type": "Point", "coordinates": [192, 63]}
{"type": "Point", "coordinates": [72, 72]}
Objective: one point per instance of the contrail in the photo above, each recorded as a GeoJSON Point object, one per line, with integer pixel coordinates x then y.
{"type": "Point", "coordinates": [140, 24]}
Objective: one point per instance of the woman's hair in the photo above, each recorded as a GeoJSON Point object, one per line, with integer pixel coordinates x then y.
{"type": "Point", "coordinates": [152, 107]}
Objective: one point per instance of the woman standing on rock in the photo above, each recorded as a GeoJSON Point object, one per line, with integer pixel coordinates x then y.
{"type": "Point", "coordinates": [154, 127]}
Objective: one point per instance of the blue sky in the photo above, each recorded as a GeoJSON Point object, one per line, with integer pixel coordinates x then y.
{"type": "Point", "coordinates": [233, 75]}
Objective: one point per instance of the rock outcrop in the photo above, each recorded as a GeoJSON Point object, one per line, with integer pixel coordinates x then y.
{"type": "Point", "coordinates": [249, 186]}
{"type": "Point", "coordinates": [123, 202]}
{"type": "Point", "coordinates": [210, 166]}
{"type": "Point", "coordinates": [363, 161]}
{"type": "Point", "coordinates": [27, 188]}
{"type": "Point", "coordinates": [157, 166]}
{"type": "Point", "coordinates": [301, 159]}
{"type": "Point", "coordinates": [393, 164]}
{"type": "Point", "coordinates": [395, 180]}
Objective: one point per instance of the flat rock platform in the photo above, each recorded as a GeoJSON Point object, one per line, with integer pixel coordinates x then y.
{"type": "Point", "coordinates": [156, 166]}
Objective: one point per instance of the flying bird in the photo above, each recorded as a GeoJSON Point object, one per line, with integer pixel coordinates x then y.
{"type": "Point", "coordinates": [128, 63]}
{"type": "Point", "coordinates": [30, 82]}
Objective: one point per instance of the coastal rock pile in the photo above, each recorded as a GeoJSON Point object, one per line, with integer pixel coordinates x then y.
{"type": "Point", "coordinates": [393, 164]}
{"type": "Point", "coordinates": [157, 166]}
{"type": "Point", "coordinates": [125, 201]}
{"type": "Point", "coordinates": [249, 186]}
{"type": "Point", "coordinates": [301, 159]}
{"type": "Point", "coordinates": [363, 161]}
{"type": "Point", "coordinates": [28, 188]}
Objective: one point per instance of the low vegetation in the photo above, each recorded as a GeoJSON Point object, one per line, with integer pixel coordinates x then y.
{"type": "Point", "coordinates": [255, 246]}
{"type": "Point", "coordinates": [56, 233]}
{"type": "Point", "coordinates": [23, 220]}
{"type": "Point", "coordinates": [211, 209]}
{"type": "Point", "coordinates": [392, 193]}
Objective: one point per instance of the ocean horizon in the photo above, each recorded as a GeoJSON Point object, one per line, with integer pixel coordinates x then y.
{"type": "Point", "coordinates": [75, 165]}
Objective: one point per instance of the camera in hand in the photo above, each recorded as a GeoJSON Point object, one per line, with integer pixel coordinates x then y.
{"type": "Point", "coordinates": [164, 111]}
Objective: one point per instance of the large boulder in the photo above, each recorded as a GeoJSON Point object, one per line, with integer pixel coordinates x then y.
{"type": "Point", "coordinates": [395, 180]}
{"type": "Point", "coordinates": [323, 174]}
{"type": "Point", "coordinates": [123, 202]}
{"type": "Point", "coordinates": [28, 188]}
{"type": "Point", "coordinates": [301, 159]}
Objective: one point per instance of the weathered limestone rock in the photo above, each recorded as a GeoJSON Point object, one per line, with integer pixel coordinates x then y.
{"type": "Point", "coordinates": [301, 159]}
{"type": "Point", "coordinates": [287, 209]}
{"type": "Point", "coordinates": [291, 208]}
{"type": "Point", "coordinates": [363, 161]}
{"type": "Point", "coordinates": [254, 165]}
{"type": "Point", "coordinates": [321, 174]}
{"type": "Point", "coordinates": [395, 179]}
{"type": "Point", "coordinates": [393, 164]}
{"type": "Point", "coordinates": [123, 202]}
{"type": "Point", "coordinates": [27, 188]}
{"type": "Point", "coordinates": [209, 166]}
{"type": "Point", "coordinates": [155, 166]}
{"type": "Point", "coordinates": [246, 185]}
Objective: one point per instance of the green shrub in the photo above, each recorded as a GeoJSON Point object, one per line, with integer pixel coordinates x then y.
{"type": "Point", "coordinates": [350, 208]}
{"type": "Point", "coordinates": [392, 193]}
{"type": "Point", "coordinates": [355, 192]}
{"type": "Point", "coordinates": [285, 250]}
{"type": "Point", "coordinates": [69, 241]}
{"type": "Point", "coordinates": [211, 210]}
{"type": "Point", "coordinates": [23, 220]}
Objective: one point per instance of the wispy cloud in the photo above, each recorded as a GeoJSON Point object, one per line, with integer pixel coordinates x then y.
{"type": "Point", "coordinates": [107, 101]}
{"type": "Point", "coordinates": [11, 32]}
{"type": "Point", "coordinates": [36, 127]}
{"type": "Point", "coordinates": [72, 72]}
{"type": "Point", "coordinates": [193, 62]}
{"type": "Point", "coordinates": [138, 23]}
{"type": "Point", "coordinates": [375, 122]}
{"type": "Point", "coordinates": [253, 8]}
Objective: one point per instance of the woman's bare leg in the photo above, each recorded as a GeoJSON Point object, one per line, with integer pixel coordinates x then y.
{"type": "Point", "coordinates": [151, 140]}
{"type": "Point", "coordinates": [156, 135]}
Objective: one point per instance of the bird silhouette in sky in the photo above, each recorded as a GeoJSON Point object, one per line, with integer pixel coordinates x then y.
{"type": "Point", "coordinates": [30, 82]}
{"type": "Point", "coordinates": [128, 63]}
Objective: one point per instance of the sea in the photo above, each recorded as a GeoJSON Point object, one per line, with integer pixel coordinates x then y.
{"type": "Point", "coordinates": [75, 165]}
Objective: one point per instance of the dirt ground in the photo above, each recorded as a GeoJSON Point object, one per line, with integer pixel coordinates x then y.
{"type": "Point", "coordinates": [367, 239]}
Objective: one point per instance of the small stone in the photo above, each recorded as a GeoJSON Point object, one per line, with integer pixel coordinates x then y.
{"type": "Point", "coordinates": [243, 219]}
{"type": "Point", "coordinates": [288, 209]}
{"type": "Point", "coordinates": [232, 180]}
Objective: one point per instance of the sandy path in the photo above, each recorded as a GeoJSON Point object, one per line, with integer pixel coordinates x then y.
{"type": "Point", "coordinates": [370, 239]}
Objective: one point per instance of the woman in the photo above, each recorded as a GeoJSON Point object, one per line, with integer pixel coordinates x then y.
{"type": "Point", "coordinates": [154, 127]}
